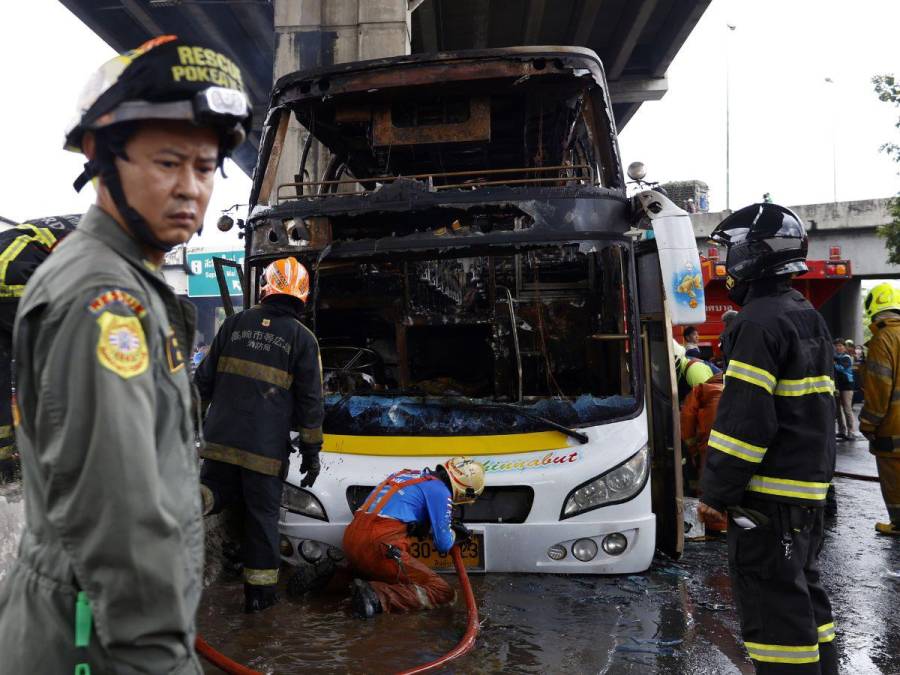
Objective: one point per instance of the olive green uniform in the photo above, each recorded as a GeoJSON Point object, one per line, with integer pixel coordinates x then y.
{"type": "Point", "coordinates": [106, 435]}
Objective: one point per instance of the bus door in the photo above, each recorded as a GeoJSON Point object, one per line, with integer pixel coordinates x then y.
{"type": "Point", "coordinates": [229, 287]}
{"type": "Point", "coordinates": [661, 399]}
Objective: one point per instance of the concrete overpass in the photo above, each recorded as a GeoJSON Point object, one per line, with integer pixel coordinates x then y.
{"type": "Point", "coordinates": [850, 225]}
{"type": "Point", "coordinates": [637, 39]}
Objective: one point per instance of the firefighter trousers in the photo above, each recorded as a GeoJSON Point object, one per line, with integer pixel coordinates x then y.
{"type": "Point", "coordinates": [786, 619]}
{"type": "Point", "coordinates": [260, 497]}
{"type": "Point", "coordinates": [401, 586]}
{"type": "Point", "coordinates": [888, 464]}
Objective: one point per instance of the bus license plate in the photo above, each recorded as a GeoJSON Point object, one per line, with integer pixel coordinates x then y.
{"type": "Point", "coordinates": [472, 553]}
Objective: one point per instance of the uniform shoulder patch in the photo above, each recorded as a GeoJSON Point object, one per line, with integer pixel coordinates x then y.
{"type": "Point", "coordinates": [174, 355]}
{"type": "Point", "coordinates": [122, 346]}
{"type": "Point", "coordinates": [117, 298]}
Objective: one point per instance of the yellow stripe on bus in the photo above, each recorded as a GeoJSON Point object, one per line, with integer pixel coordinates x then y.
{"type": "Point", "coordinates": [429, 446]}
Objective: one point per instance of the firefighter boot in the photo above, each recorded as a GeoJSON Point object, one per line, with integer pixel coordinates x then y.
{"type": "Point", "coordinates": [365, 602]}
{"type": "Point", "coordinates": [888, 528]}
{"type": "Point", "coordinates": [258, 598]}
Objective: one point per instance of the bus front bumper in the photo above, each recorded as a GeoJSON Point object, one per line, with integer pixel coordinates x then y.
{"type": "Point", "coordinates": [523, 547]}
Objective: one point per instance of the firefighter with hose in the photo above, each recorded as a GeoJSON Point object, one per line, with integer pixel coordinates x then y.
{"type": "Point", "coordinates": [377, 540]}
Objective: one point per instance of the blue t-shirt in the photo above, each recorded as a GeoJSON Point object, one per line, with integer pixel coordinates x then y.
{"type": "Point", "coordinates": [428, 502]}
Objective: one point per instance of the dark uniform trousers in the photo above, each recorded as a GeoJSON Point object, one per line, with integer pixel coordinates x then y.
{"type": "Point", "coordinates": [260, 497]}
{"type": "Point", "coordinates": [778, 592]}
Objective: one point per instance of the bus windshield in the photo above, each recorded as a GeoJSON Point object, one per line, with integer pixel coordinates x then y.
{"type": "Point", "coordinates": [456, 343]}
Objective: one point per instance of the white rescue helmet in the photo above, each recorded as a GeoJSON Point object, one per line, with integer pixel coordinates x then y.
{"type": "Point", "coordinates": [466, 479]}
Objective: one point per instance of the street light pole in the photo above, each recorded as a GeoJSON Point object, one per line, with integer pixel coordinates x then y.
{"type": "Point", "coordinates": [828, 80]}
{"type": "Point", "coordinates": [731, 28]}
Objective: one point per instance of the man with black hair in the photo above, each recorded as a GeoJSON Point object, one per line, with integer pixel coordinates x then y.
{"type": "Point", "coordinates": [110, 567]}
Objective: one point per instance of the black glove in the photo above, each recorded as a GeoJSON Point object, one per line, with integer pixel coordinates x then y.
{"type": "Point", "coordinates": [309, 467]}
{"type": "Point", "coordinates": [463, 533]}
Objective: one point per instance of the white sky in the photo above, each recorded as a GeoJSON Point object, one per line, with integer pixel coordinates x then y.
{"type": "Point", "coordinates": [783, 114]}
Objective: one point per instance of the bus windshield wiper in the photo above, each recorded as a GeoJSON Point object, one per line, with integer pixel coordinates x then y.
{"type": "Point", "coordinates": [525, 412]}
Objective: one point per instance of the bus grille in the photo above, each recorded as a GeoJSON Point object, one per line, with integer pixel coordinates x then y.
{"type": "Point", "coordinates": [500, 504]}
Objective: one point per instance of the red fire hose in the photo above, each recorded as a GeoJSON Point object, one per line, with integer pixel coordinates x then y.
{"type": "Point", "coordinates": [468, 640]}
{"type": "Point", "coordinates": [464, 646]}
{"type": "Point", "coordinates": [221, 661]}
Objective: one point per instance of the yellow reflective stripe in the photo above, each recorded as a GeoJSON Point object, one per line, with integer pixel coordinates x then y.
{"type": "Point", "coordinates": [826, 632]}
{"type": "Point", "coordinates": [752, 374]}
{"type": "Point", "coordinates": [7, 451]}
{"type": "Point", "coordinates": [260, 577]}
{"type": "Point", "coordinates": [736, 448]}
{"type": "Point", "coordinates": [11, 252]}
{"type": "Point", "coordinates": [784, 487]}
{"type": "Point", "coordinates": [870, 417]}
{"type": "Point", "coordinates": [242, 458]}
{"type": "Point", "coordinates": [6, 431]}
{"type": "Point", "coordinates": [822, 384]}
{"type": "Point", "coordinates": [255, 371]}
{"type": "Point", "coordinates": [311, 436]}
{"type": "Point", "coordinates": [782, 653]}
{"type": "Point", "coordinates": [40, 234]}
{"type": "Point", "coordinates": [14, 291]}
{"type": "Point", "coordinates": [881, 370]}
{"type": "Point", "coordinates": [209, 499]}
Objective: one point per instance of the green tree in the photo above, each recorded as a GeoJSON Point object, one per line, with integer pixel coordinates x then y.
{"type": "Point", "coordinates": [889, 91]}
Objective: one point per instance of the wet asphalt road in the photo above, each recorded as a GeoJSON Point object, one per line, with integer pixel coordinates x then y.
{"type": "Point", "coordinates": [677, 618]}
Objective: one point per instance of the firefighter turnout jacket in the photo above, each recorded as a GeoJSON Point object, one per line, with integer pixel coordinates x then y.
{"type": "Point", "coordinates": [262, 378]}
{"type": "Point", "coordinates": [22, 249]}
{"type": "Point", "coordinates": [879, 419]}
{"type": "Point", "coordinates": [110, 472]}
{"type": "Point", "coordinates": [774, 430]}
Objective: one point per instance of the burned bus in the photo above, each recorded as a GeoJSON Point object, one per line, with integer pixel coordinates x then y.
{"type": "Point", "coordinates": [476, 274]}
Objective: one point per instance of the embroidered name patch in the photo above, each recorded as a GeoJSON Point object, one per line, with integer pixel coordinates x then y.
{"type": "Point", "coordinates": [122, 347]}
{"type": "Point", "coordinates": [117, 297]}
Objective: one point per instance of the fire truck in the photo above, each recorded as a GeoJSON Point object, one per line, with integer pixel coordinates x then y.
{"type": "Point", "coordinates": [824, 279]}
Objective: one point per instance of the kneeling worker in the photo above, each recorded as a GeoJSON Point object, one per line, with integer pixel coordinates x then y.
{"type": "Point", "coordinates": [262, 377]}
{"type": "Point", "coordinates": [377, 540]}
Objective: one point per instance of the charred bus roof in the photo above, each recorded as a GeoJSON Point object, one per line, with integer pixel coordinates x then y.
{"type": "Point", "coordinates": [486, 142]}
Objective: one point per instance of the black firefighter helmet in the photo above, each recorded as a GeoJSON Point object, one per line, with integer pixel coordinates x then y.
{"type": "Point", "coordinates": [763, 240]}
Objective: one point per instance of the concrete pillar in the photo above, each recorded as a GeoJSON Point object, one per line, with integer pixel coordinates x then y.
{"type": "Point", "coordinates": [313, 33]}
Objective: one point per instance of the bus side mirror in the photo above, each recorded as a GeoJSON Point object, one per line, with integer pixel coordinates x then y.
{"type": "Point", "coordinates": [679, 260]}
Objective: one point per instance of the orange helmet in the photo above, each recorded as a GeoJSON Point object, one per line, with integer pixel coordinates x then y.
{"type": "Point", "coordinates": [286, 277]}
{"type": "Point", "coordinates": [466, 479]}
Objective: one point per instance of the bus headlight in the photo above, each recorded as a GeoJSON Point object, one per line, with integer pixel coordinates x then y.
{"type": "Point", "coordinates": [616, 485]}
{"type": "Point", "coordinates": [297, 500]}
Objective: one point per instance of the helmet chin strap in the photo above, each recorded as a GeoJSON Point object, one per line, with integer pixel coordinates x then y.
{"type": "Point", "coordinates": [104, 167]}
